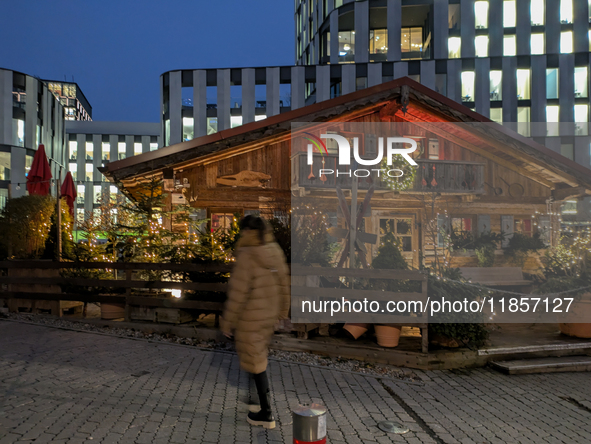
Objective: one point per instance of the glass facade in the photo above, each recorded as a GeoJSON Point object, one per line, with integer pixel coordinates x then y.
{"type": "Point", "coordinates": [481, 14]}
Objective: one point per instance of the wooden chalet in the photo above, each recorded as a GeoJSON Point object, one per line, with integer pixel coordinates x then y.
{"type": "Point", "coordinates": [473, 174]}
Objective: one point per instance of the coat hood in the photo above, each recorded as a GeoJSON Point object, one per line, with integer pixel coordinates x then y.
{"type": "Point", "coordinates": [266, 254]}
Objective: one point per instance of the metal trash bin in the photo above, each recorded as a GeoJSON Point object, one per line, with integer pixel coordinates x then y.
{"type": "Point", "coordinates": [309, 424]}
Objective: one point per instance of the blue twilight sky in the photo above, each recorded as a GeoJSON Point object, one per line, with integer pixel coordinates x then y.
{"type": "Point", "coordinates": [117, 49]}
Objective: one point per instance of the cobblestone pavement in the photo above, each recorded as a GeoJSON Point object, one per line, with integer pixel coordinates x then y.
{"type": "Point", "coordinates": [62, 386]}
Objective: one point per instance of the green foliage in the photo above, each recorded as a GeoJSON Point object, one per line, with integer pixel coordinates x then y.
{"type": "Point", "coordinates": [389, 257]}
{"type": "Point", "coordinates": [471, 332]}
{"type": "Point", "coordinates": [520, 243]}
{"type": "Point", "coordinates": [282, 233]}
{"type": "Point", "coordinates": [51, 251]}
{"type": "Point", "coordinates": [485, 256]}
{"type": "Point", "coordinates": [311, 240]}
{"type": "Point", "coordinates": [25, 223]}
{"type": "Point", "coordinates": [402, 183]}
{"type": "Point", "coordinates": [570, 257]}
{"type": "Point", "coordinates": [565, 283]}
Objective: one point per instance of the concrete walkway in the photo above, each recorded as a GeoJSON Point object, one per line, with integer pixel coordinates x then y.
{"type": "Point", "coordinates": [62, 386]}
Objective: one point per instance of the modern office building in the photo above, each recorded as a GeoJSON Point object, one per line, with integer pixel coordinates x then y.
{"type": "Point", "coordinates": [76, 107]}
{"type": "Point", "coordinates": [92, 144]}
{"type": "Point", "coordinates": [29, 116]}
{"type": "Point", "coordinates": [516, 62]}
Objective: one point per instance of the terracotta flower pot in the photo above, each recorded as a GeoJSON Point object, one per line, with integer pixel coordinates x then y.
{"type": "Point", "coordinates": [112, 311]}
{"type": "Point", "coordinates": [356, 330]}
{"type": "Point", "coordinates": [570, 323]}
{"type": "Point", "coordinates": [388, 335]}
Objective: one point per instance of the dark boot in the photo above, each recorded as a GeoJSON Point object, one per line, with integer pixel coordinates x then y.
{"type": "Point", "coordinates": [264, 417]}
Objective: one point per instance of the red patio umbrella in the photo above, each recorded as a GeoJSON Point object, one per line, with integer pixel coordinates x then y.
{"type": "Point", "coordinates": [68, 190]}
{"type": "Point", "coordinates": [39, 177]}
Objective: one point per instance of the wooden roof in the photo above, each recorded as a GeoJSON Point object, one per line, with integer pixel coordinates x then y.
{"type": "Point", "coordinates": [399, 100]}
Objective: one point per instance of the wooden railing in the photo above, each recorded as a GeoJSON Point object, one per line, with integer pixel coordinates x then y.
{"type": "Point", "coordinates": [73, 288]}
{"type": "Point", "coordinates": [441, 176]}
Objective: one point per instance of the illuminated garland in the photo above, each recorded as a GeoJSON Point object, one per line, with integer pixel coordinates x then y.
{"type": "Point", "coordinates": [402, 183]}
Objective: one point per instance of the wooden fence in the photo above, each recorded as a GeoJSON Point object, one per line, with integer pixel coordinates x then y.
{"type": "Point", "coordinates": [22, 276]}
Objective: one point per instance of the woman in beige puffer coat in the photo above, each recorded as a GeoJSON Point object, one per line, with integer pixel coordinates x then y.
{"type": "Point", "coordinates": [258, 296]}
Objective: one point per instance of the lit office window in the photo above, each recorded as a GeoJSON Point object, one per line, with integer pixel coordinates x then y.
{"type": "Point", "coordinates": [89, 149]}
{"type": "Point", "coordinates": [496, 115]}
{"type": "Point", "coordinates": [260, 117]}
{"type": "Point", "coordinates": [89, 171]}
{"type": "Point", "coordinates": [96, 194]}
{"type": "Point", "coordinates": [73, 168]}
{"type": "Point", "coordinates": [523, 119]}
{"type": "Point", "coordinates": [481, 14]}
{"type": "Point", "coordinates": [346, 46]}
{"type": "Point", "coordinates": [496, 78]}
{"type": "Point", "coordinates": [468, 86]}
{"type": "Point", "coordinates": [552, 116]}
{"type": "Point", "coordinates": [212, 125]}
{"type": "Point", "coordinates": [18, 132]}
{"type": "Point", "coordinates": [537, 12]}
{"type": "Point", "coordinates": [137, 148]}
{"type": "Point", "coordinates": [187, 128]}
{"type": "Point", "coordinates": [537, 43]}
{"type": "Point", "coordinates": [509, 14]}
{"type": "Point", "coordinates": [566, 11]}
{"type": "Point", "coordinates": [153, 146]}
{"type": "Point", "coordinates": [80, 194]}
{"type": "Point", "coordinates": [121, 150]}
{"type": "Point", "coordinates": [481, 46]}
{"type": "Point", "coordinates": [509, 45]}
{"type": "Point", "coordinates": [411, 41]}
{"type": "Point", "coordinates": [523, 84]}
{"type": "Point", "coordinates": [581, 82]}
{"type": "Point", "coordinates": [235, 121]}
{"type": "Point", "coordinates": [581, 120]}
{"type": "Point", "coordinates": [113, 192]}
{"type": "Point", "coordinates": [378, 41]}
{"type": "Point", "coordinates": [566, 42]}
{"type": "Point", "coordinates": [73, 147]}
{"type": "Point", "coordinates": [552, 83]}
{"type": "Point", "coordinates": [106, 150]}
{"type": "Point", "coordinates": [453, 47]}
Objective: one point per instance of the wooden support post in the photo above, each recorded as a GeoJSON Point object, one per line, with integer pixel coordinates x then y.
{"type": "Point", "coordinates": [128, 275]}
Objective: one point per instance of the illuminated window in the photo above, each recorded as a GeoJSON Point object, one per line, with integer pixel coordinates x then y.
{"type": "Point", "coordinates": [496, 78]}
{"type": "Point", "coordinates": [566, 11]}
{"type": "Point", "coordinates": [468, 86]}
{"type": "Point", "coordinates": [581, 82]}
{"type": "Point", "coordinates": [569, 207]}
{"type": "Point", "coordinates": [235, 121]}
{"type": "Point", "coordinates": [121, 147]}
{"type": "Point", "coordinates": [221, 221]}
{"type": "Point", "coordinates": [481, 45]}
{"type": "Point", "coordinates": [552, 115]}
{"type": "Point", "coordinates": [73, 147]}
{"type": "Point", "coordinates": [73, 169]}
{"type": "Point", "coordinates": [89, 149]}
{"type": "Point", "coordinates": [566, 42]}
{"type": "Point", "coordinates": [509, 14]}
{"type": "Point", "coordinates": [137, 148]}
{"type": "Point", "coordinates": [496, 115]}
{"type": "Point", "coordinates": [89, 172]}
{"type": "Point", "coordinates": [113, 192]}
{"type": "Point", "coordinates": [454, 46]}
{"type": "Point", "coordinates": [80, 194]}
{"type": "Point", "coordinates": [153, 146]}
{"type": "Point", "coordinates": [96, 197]}
{"type": "Point", "coordinates": [187, 128]}
{"type": "Point", "coordinates": [523, 226]}
{"type": "Point", "coordinates": [509, 46]}
{"type": "Point", "coordinates": [552, 83]}
{"type": "Point", "coordinates": [260, 117]}
{"type": "Point", "coordinates": [378, 41]}
{"type": "Point", "coordinates": [523, 84]}
{"type": "Point", "coordinates": [537, 12]}
{"type": "Point", "coordinates": [411, 42]}
{"type": "Point", "coordinates": [212, 125]}
{"type": "Point", "coordinates": [481, 14]}
{"type": "Point", "coordinates": [18, 132]}
{"type": "Point", "coordinates": [346, 46]}
{"type": "Point", "coordinates": [106, 150]}
{"type": "Point", "coordinates": [581, 120]}
{"type": "Point", "coordinates": [537, 43]}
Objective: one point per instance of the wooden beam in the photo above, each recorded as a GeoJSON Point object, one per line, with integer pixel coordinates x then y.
{"type": "Point", "coordinates": [569, 193]}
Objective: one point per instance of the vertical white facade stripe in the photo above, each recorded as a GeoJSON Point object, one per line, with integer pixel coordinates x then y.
{"type": "Point", "coordinates": [176, 121]}
{"type": "Point", "coordinates": [199, 102]}
{"type": "Point", "coordinates": [223, 83]}
{"type": "Point", "coordinates": [248, 98]}
{"type": "Point", "coordinates": [272, 91]}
